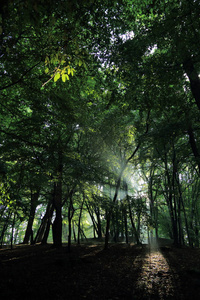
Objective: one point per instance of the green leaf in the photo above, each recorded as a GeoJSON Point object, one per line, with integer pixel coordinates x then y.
{"type": "Point", "coordinates": [72, 71]}
{"type": "Point", "coordinates": [56, 77]}
{"type": "Point", "coordinates": [64, 77]}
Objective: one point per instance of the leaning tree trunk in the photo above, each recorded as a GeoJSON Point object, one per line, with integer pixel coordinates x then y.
{"type": "Point", "coordinates": [44, 223]}
{"type": "Point", "coordinates": [99, 231]}
{"type": "Point", "coordinates": [47, 227]}
{"type": "Point", "coordinates": [79, 223]}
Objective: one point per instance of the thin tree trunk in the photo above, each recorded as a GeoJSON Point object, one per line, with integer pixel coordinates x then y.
{"type": "Point", "coordinates": [110, 212]}
{"type": "Point", "coordinates": [70, 216]}
{"type": "Point", "coordinates": [92, 218]}
{"type": "Point", "coordinates": [12, 233]}
{"type": "Point", "coordinates": [119, 182]}
{"type": "Point", "coordinates": [57, 224]}
{"type": "Point", "coordinates": [170, 201]}
{"type": "Point", "coordinates": [125, 224]}
{"type": "Point", "coordinates": [79, 222]}
{"type": "Point", "coordinates": [33, 205]}
{"type": "Point", "coordinates": [74, 232]}
{"type": "Point", "coordinates": [133, 225]}
{"type": "Point", "coordinates": [99, 232]}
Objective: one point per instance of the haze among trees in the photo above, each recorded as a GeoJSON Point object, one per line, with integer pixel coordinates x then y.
{"type": "Point", "coordinates": [100, 121]}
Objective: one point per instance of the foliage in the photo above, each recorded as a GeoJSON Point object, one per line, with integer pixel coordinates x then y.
{"type": "Point", "coordinates": [93, 92]}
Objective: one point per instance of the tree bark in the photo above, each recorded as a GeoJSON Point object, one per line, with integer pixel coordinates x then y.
{"type": "Point", "coordinates": [133, 225]}
{"type": "Point", "coordinates": [47, 227]}
{"type": "Point", "coordinates": [194, 146]}
{"type": "Point", "coordinates": [110, 211]}
{"type": "Point", "coordinates": [33, 205]}
{"type": "Point", "coordinates": [70, 216]}
{"type": "Point", "coordinates": [192, 74]}
{"type": "Point", "coordinates": [79, 222]}
{"type": "Point", "coordinates": [57, 224]}
{"type": "Point", "coordinates": [12, 232]}
{"type": "Point", "coordinates": [45, 220]}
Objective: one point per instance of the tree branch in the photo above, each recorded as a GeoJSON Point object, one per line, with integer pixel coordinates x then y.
{"type": "Point", "coordinates": [16, 82]}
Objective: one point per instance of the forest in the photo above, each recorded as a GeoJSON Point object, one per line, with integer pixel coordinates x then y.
{"type": "Point", "coordinates": [99, 112]}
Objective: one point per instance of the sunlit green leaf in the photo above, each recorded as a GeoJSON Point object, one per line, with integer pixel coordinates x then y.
{"type": "Point", "coordinates": [56, 77]}
{"type": "Point", "coordinates": [65, 77]}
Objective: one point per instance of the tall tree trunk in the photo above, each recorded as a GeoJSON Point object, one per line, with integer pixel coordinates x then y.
{"type": "Point", "coordinates": [184, 212]}
{"type": "Point", "coordinates": [5, 226]}
{"type": "Point", "coordinates": [192, 74]}
{"type": "Point", "coordinates": [109, 215]}
{"type": "Point", "coordinates": [79, 222]}
{"type": "Point", "coordinates": [125, 223]}
{"type": "Point", "coordinates": [133, 225]}
{"type": "Point", "coordinates": [171, 201]}
{"type": "Point", "coordinates": [74, 231]}
{"type": "Point", "coordinates": [135, 232]}
{"type": "Point", "coordinates": [95, 229]}
{"type": "Point", "coordinates": [194, 146]}
{"type": "Point", "coordinates": [33, 205]}
{"type": "Point", "coordinates": [99, 232]}
{"type": "Point", "coordinates": [12, 232]}
{"type": "Point", "coordinates": [118, 185]}
{"type": "Point", "coordinates": [57, 224]}
{"type": "Point", "coordinates": [47, 227]}
{"type": "Point", "coordinates": [70, 216]}
{"type": "Point", "coordinates": [45, 220]}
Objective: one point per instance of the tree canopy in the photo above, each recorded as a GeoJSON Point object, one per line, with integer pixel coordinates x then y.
{"type": "Point", "coordinates": [99, 110]}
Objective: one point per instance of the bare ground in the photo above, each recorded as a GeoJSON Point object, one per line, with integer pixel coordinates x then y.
{"type": "Point", "coordinates": [89, 272]}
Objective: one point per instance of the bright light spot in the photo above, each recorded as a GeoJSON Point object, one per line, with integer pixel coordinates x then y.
{"type": "Point", "coordinates": [127, 36]}
{"type": "Point", "coordinates": [156, 278]}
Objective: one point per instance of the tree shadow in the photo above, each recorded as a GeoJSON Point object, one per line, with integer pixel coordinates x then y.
{"type": "Point", "coordinates": [112, 273]}
{"type": "Point", "coordinates": [186, 269]}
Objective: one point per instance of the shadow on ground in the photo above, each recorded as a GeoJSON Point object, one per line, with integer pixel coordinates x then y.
{"type": "Point", "coordinates": [89, 272]}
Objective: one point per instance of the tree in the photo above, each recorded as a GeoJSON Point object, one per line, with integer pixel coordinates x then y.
{"type": "Point", "coordinates": [87, 90]}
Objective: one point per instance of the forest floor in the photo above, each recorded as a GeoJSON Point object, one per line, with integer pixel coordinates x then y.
{"type": "Point", "coordinates": [89, 272]}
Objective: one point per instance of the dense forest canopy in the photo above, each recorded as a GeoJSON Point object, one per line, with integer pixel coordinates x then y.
{"type": "Point", "coordinates": [99, 110]}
